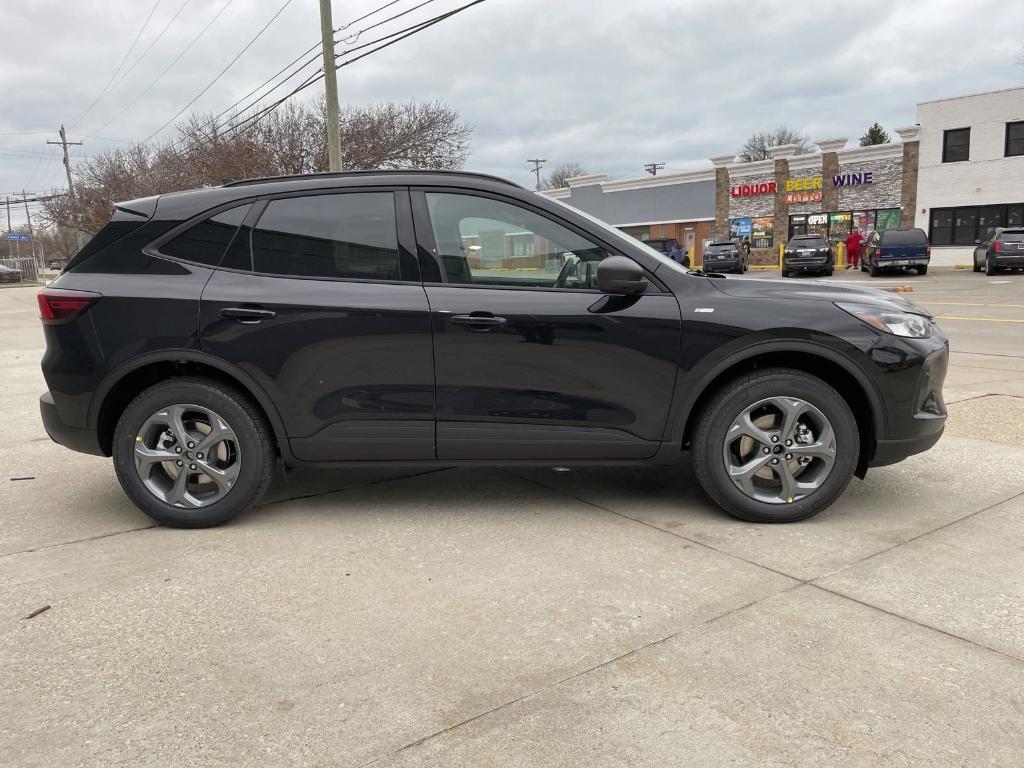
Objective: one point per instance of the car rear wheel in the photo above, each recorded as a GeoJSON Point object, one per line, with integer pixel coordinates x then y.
{"type": "Point", "coordinates": [990, 268]}
{"type": "Point", "coordinates": [922, 271]}
{"type": "Point", "coordinates": [977, 266]}
{"type": "Point", "coordinates": [873, 270]}
{"type": "Point", "coordinates": [191, 453]}
{"type": "Point", "coordinates": [775, 446]}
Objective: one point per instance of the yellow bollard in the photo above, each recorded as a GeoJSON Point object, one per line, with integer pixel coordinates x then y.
{"type": "Point", "coordinates": [782, 249]}
{"type": "Point", "coordinates": [693, 255]}
{"type": "Point", "coordinates": [840, 254]}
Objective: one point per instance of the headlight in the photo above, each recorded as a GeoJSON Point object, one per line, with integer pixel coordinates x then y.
{"type": "Point", "coordinates": [891, 321]}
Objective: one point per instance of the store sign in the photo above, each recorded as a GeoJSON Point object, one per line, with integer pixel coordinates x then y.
{"type": "Point", "coordinates": [812, 183]}
{"type": "Point", "coordinates": [749, 190]}
{"type": "Point", "coordinates": [802, 197]}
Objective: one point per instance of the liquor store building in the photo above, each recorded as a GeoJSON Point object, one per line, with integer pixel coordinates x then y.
{"type": "Point", "coordinates": [830, 192]}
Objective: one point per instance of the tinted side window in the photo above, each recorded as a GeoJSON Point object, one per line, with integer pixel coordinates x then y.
{"type": "Point", "coordinates": [482, 241]}
{"type": "Point", "coordinates": [206, 241]}
{"type": "Point", "coordinates": [350, 236]}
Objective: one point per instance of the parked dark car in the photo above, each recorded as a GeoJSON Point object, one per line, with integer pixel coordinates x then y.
{"type": "Point", "coordinates": [10, 274]}
{"type": "Point", "coordinates": [808, 253]}
{"type": "Point", "coordinates": [896, 249]}
{"type": "Point", "coordinates": [667, 246]}
{"type": "Point", "coordinates": [725, 256]}
{"type": "Point", "coordinates": [366, 319]}
{"type": "Point", "coordinates": [55, 264]}
{"type": "Point", "coordinates": [1005, 250]}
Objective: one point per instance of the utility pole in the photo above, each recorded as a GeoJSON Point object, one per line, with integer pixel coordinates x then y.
{"type": "Point", "coordinates": [331, 85]}
{"type": "Point", "coordinates": [64, 143]}
{"type": "Point", "coordinates": [653, 168]}
{"type": "Point", "coordinates": [537, 165]}
{"type": "Point", "coordinates": [31, 234]}
{"type": "Point", "coordinates": [8, 242]}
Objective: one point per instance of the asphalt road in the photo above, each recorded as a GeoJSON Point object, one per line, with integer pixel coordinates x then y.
{"type": "Point", "coordinates": [479, 617]}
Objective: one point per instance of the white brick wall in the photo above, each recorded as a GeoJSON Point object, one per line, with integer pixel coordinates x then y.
{"type": "Point", "coordinates": [988, 177]}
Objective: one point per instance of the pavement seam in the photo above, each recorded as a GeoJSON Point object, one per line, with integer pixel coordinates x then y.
{"type": "Point", "coordinates": [581, 673]}
{"type": "Point", "coordinates": [915, 622]}
{"type": "Point", "coordinates": [659, 528]}
{"type": "Point", "coordinates": [77, 541]}
{"type": "Point", "coordinates": [268, 504]}
{"type": "Point", "coordinates": [921, 535]}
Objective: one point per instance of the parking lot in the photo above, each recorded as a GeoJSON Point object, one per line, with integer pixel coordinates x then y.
{"type": "Point", "coordinates": [479, 617]}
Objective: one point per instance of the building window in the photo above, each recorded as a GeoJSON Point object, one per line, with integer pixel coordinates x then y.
{"type": "Point", "coordinates": [942, 226]}
{"type": "Point", "coordinates": [974, 224]}
{"type": "Point", "coordinates": [1014, 139]}
{"type": "Point", "coordinates": [956, 145]}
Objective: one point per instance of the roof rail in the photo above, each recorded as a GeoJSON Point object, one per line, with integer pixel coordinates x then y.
{"type": "Point", "coordinates": [368, 172]}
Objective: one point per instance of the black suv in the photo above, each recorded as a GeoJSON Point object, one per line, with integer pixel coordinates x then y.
{"type": "Point", "coordinates": [725, 256]}
{"type": "Point", "coordinates": [1005, 250]}
{"type": "Point", "coordinates": [412, 318]}
{"type": "Point", "coordinates": [807, 253]}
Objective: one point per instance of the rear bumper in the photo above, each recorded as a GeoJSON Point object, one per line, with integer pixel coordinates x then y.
{"type": "Point", "coordinates": [712, 265]}
{"type": "Point", "coordinates": [82, 440]}
{"type": "Point", "coordinates": [1015, 260]}
{"type": "Point", "coordinates": [810, 265]}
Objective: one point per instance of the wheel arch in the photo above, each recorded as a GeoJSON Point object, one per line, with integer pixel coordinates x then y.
{"type": "Point", "coordinates": [830, 366]}
{"type": "Point", "coordinates": [121, 386]}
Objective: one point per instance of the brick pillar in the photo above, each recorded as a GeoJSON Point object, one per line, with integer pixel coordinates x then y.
{"type": "Point", "coordinates": [721, 163]}
{"type": "Point", "coordinates": [908, 184]}
{"type": "Point", "coordinates": [829, 194]}
{"type": "Point", "coordinates": [780, 221]}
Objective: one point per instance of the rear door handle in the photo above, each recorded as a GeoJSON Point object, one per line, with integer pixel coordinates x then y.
{"type": "Point", "coordinates": [247, 314]}
{"type": "Point", "coordinates": [478, 322]}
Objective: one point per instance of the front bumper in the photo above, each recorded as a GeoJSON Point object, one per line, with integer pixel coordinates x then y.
{"type": "Point", "coordinates": [82, 440]}
{"type": "Point", "coordinates": [915, 409]}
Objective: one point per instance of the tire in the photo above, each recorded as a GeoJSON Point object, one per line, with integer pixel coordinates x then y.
{"type": "Point", "coordinates": [709, 452]}
{"type": "Point", "coordinates": [829, 271]}
{"type": "Point", "coordinates": [990, 268]}
{"type": "Point", "coordinates": [246, 469]}
{"type": "Point", "coordinates": [873, 270]}
{"type": "Point", "coordinates": [922, 271]}
{"type": "Point", "coordinates": [977, 266]}
{"type": "Point", "coordinates": [785, 273]}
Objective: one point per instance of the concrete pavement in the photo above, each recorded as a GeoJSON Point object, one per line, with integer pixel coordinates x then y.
{"type": "Point", "coordinates": [476, 617]}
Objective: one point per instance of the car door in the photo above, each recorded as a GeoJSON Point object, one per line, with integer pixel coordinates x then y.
{"type": "Point", "coordinates": [319, 300]}
{"type": "Point", "coordinates": [532, 362]}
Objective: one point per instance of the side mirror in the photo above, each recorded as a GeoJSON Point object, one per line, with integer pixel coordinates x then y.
{"type": "Point", "coordinates": [620, 276]}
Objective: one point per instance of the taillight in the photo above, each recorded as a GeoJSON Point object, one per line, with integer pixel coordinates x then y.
{"type": "Point", "coordinates": [57, 305]}
{"type": "Point", "coordinates": [997, 246]}
{"type": "Point", "coordinates": [928, 251]}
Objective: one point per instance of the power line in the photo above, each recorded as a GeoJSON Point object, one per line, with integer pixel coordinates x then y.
{"type": "Point", "coordinates": [312, 80]}
{"type": "Point", "coordinates": [121, 64]}
{"type": "Point", "coordinates": [221, 73]}
{"type": "Point", "coordinates": [155, 40]}
{"type": "Point", "coordinates": [355, 35]}
{"type": "Point", "coordinates": [167, 69]}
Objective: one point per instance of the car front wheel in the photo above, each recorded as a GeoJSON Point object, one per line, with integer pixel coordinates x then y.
{"type": "Point", "coordinates": [192, 453]}
{"type": "Point", "coordinates": [775, 446]}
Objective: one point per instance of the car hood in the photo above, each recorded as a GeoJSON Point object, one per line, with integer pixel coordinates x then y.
{"type": "Point", "coordinates": [823, 290]}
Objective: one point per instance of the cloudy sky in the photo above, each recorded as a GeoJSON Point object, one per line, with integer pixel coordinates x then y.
{"type": "Point", "coordinates": [607, 83]}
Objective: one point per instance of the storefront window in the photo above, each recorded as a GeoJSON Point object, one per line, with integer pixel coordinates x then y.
{"type": "Point", "coordinates": [797, 226]}
{"type": "Point", "coordinates": [965, 226]}
{"type": "Point", "coordinates": [839, 226]}
{"type": "Point", "coordinates": [989, 218]}
{"type": "Point", "coordinates": [864, 221]}
{"type": "Point", "coordinates": [762, 232]}
{"type": "Point", "coordinates": [1015, 215]}
{"type": "Point", "coordinates": [942, 227]}
{"type": "Point", "coordinates": [817, 224]}
{"type": "Point", "coordinates": [887, 218]}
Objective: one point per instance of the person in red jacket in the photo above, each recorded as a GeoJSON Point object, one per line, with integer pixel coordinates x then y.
{"type": "Point", "coordinates": [853, 246]}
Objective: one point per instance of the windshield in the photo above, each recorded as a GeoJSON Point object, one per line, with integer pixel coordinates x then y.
{"type": "Point", "coordinates": [618, 236]}
{"type": "Point", "coordinates": [1012, 236]}
{"type": "Point", "coordinates": [715, 247]}
{"type": "Point", "coordinates": [904, 237]}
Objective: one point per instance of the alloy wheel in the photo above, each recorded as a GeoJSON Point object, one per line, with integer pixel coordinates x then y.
{"type": "Point", "coordinates": [187, 455]}
{"type": "Point", "coordinates": [779, 450]}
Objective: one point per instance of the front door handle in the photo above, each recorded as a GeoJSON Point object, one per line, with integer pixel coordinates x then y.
{"type": "Point", "coordinates": [478, 322]}
{"type": "Point", "coordinates": [247, 314]}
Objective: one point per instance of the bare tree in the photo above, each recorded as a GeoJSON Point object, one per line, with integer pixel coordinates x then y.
{"type": "Point", "coordinates": [561, 174]}
{"type": "Point", "coordinates": [288, 140]}
{"type": "Point", "coordinates": [757, 146]}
